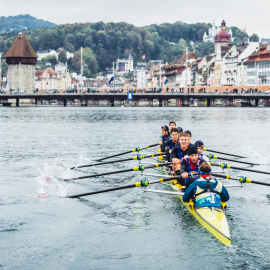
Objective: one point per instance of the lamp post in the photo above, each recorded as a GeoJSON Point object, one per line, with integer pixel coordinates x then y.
{"type": "Point", "coordinates": [0, 70]}
{"type": "Point", "coordinates": [186, 68]}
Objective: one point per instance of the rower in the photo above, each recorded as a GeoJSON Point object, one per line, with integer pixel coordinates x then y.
{"type": "Point", "coordinates": [190, 163]}
{"type": "Point", "coordinates": [165, 136]}
{"type": "Point", "coordinates": [189, 136]}
{"type": "Point", "coordinates": [180, 130]}
{"type": "Point", "coordinates": [170, 144]}
{"type": "Point", "coordinates": [200, 146]}
{"type": "Point", "coordinates": [179, 151]}
{"type": "Point", "coordinates": [206, 191]}
{"type": "Point", "coordinates": [172, 124]}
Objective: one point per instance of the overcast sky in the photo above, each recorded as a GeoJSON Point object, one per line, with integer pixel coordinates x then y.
{"type": "Point", "coordinates": [253, 14]}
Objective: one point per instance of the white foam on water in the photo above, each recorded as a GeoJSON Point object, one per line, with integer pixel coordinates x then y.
{"type": "Point", "coordinates": [50, 183]}
{"type": "Point", "coordinates": [262, 156]}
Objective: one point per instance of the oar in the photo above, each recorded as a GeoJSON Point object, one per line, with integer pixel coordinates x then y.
{"type": "Point", "coordinates": [243, 162]}
{"type": "Point", "coordinates": [143, 183]}
{"type": "Point", "coordinates": [241, 179]}
{"type": "Point", "coordinates": [130, 151]}
{"type": "Point", "coordinates": [226, 166]}
{"type": "Point", "coordinates": [223, 153]}
{"type": "Point", "coordinates": [139, 168]}
{"type": "Point", "coordinates": [138, 157]}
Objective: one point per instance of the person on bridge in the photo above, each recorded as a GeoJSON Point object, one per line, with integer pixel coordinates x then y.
{"type": "Point", "coordinates": [165, 136]}
{"type": "Point", "coordinates": [206, 191]}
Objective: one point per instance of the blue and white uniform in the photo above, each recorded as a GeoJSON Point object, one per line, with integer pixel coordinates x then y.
{"type": "Point", "coordinates": [206, 192]}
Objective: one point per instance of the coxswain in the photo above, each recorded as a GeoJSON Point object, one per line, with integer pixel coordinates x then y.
{"type": "Point", "coordinates": [170, 144]}
{"type": "Point", "coordinates": [206, 191]}
{"type": "Point", "coordinates": [189, 136]}
{"type": "Point", "coordinates": [190, 164]}
{"type": "Point", "coordinates": [179, 152]}
{"type": "Point", "coordinates": [165, 136]}
{"type": "Point", "coordinates": [172, 124]}
{"type": "Point", "coordinates": [200, 146]}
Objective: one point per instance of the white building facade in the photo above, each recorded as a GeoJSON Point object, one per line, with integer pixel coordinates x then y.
{"type": "Point", "coordinates": [124, 66]}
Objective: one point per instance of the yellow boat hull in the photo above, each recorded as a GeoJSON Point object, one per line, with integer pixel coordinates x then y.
{"type": "Point", "coordinates": [211, 218]}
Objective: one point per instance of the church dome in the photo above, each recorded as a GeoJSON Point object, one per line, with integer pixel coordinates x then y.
{"type": "Point", "coordinates": [223, 35]}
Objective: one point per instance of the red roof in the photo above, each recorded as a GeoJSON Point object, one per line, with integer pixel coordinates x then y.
{"type": "Point", "coordinates": [223, 35]}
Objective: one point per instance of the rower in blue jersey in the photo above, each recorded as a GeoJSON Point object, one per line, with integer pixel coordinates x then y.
{"type": "Point", "coordinates": [165, 136]}
{"type": "Point", "coordinates": [206, 191]}
{"type": "Point", "coordinates": [170, 144]}
{"type": "Point", "coordinates": [179, 152]}
{"type": "Point", "coordinates": [189, 137]}
{"type": "Point", "coordinates": [200, 146]}
{"type": "Point", "coordinates": [191, 163]}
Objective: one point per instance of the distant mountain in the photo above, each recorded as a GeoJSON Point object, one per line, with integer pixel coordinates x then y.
{"type": "Point", "coordinates": [10, 23]}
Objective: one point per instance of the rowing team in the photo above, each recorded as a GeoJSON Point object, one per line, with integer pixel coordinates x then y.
{"type": "Point", "coordinates": [188, 159]}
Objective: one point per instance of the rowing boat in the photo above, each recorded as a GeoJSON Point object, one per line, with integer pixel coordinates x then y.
{"type": "Point", "coordinates": [211, 218]}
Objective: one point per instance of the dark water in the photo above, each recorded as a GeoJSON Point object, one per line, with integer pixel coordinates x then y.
{"type": "Point", "coordinates": [125, 229]}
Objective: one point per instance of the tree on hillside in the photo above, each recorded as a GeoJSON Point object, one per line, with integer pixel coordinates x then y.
{"type": "Point", "coordinates": [182, 44]}
{"type": "Point", "coordinates": [49, 59]}
{"type": "Point", "coordinates": [62, 56]}
{"type": "Point", "coordinates": [205, 48]}
{"type": "Point", "coordinates": [254, 38]}
{"type": "Point", "coordinates": [91, 68]}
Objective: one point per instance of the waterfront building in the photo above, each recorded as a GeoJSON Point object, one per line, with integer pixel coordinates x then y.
{"type": "Point", "coordinates": [176, 72]}
{"type": "Point", "coordinates": [258, 67]}
{"type": "Point", "coordinates": [49, 79]}
{"type": "Point", "coordinates": [151, 79]}
{"type": "Point", "coordinates": [21, 59]}
{"type": "Point", "coordinates": [213, 32]}
{"type": "Point", "coordinates": [124, 66]}
{"type": "Point", "coordinates": [235, 68]}
{"type": "Point", "coordinates": [223, 43]}
{"type": "Point", "coordinates": [140, 77]}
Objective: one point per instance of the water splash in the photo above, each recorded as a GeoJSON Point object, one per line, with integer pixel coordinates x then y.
{"type": "Point", "coordinates": [49, 182]}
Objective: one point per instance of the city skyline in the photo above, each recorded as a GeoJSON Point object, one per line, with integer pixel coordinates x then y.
{"type": "Point", "coordinates": [142, 13]}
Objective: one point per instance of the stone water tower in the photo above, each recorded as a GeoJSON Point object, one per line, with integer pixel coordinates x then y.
{"type": "Point", "coordinates": [21, 59]}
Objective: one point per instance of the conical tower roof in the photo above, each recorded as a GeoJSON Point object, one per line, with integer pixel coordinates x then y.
{"type": "Point", "coordinates": [21, 51]}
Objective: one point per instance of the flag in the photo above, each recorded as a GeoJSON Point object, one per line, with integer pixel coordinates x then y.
{"type": "Point", "coordinates": [111, 80]}
{"type": "Point", "coordinates": [143, 58]}
{"type": "Point", "coordinates": [6, 82]}
{"type": "Point", "coordinates": [162, 80]}
{"type": "Point", "coordinates": [152, 78]}
{"type": "Point", "coordinates": [166, 80]}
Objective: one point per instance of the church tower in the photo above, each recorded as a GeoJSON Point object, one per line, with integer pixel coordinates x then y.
{"type": "Point", "coordinates": [223, 37]}
{"type": "Point", "coordinates": [21, 59]}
